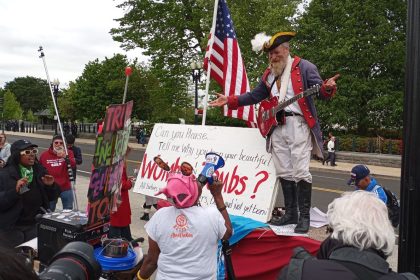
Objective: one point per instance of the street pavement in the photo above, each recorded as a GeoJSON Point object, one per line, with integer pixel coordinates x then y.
{"type": "Point", "coordinates": [137, 200]}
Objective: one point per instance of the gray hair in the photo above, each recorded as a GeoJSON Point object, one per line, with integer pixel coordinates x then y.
{"type": "Point", "coordinates": [360, 219]}
{"type": "Point", "coordinates": [286, 45]}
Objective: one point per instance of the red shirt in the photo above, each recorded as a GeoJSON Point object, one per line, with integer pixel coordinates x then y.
{"type": "Point", "coordinates": [57, 167]}
{"type": "Point", "coordinates": [122, 217]}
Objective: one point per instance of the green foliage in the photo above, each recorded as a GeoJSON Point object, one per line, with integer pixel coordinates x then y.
{"type": "Point", "coordinates": [364, 41]}
{"type": "Point", "coordinates": [32, 93]}
{"type": "Point", "coordinates": [102, 83]}
{"type": "Point", "coordinates": [95, 88]}
{"type": "Point", "coordinates": [30, 116]}
{"type": "Point", "coordinates": [12, 109]}
{"type": "Point", "coordinates": [356, 143]}
{"type": "Point", "coordinates": [175, 33]}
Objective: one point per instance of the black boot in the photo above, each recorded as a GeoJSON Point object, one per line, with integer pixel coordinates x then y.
{"type": "Point", "coordinates": [146, 208]}
{"type": "Point", "coordinates": [304, 191]}
{"type": "Point", "coordinates": [289, 194]}
{"type": "Point", "coordinates": [145, 217]}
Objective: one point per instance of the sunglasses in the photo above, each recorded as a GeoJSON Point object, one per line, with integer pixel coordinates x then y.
{"type": "Point", "coordinates": [29, 152]}
{"type": "Point", "coordinates": [58, 142]}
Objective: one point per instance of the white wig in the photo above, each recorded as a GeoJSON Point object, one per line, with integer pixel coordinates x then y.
{"type": "Point", "coordinates": [360, 219]}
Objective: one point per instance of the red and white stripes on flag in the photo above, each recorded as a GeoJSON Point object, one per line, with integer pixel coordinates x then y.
{"type": "Point", "coordinates": [227, 66]}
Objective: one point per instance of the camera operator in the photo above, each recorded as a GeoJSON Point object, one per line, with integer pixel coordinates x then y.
{"type": "Point", "coordinates": [25, 191]}
{"type": "Point", "coordinates": [185, 236]}
{"type": "Point", "coordinates": [14, 266]}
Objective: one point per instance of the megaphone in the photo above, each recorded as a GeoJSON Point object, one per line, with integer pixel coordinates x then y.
{"type": "Point", "coordinates": [213, 162]}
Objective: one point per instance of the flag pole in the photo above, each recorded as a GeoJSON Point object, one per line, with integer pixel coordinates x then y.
{"type": "Point", "coordinates": [213, 29]}
{"type": "Point", "coordinates": [127, 74]}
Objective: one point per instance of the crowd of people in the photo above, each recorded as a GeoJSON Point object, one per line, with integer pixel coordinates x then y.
{"type": "Point", "coordinates": [183, 237]}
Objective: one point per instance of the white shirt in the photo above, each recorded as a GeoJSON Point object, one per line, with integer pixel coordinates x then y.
{"type": "Point", "coordinates": [290, 93]}
{"type": "Point", "coordinates": [330, 146]}
{"type": "Point", "coordinates": [187, 239]}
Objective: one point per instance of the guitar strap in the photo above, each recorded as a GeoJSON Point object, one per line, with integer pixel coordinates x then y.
{"type": "Point", "coordinates": [273, 83]}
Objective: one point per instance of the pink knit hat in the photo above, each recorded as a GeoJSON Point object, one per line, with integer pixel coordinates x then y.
{"type": "Point", "coordinates": [183, 190]}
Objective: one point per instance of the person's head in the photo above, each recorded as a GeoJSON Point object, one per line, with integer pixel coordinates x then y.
{"type": "Point", "coordinates": [181, 190]}
{"type": "Point", "coordinates": [360, 219]}
{"type": "Point", "coordinates": [70, 139]}
{"type": "Point", "coordinates": [23, 152]}
{"type": "Point", "coordinates": [360, 176]}
{"type": "Point", "coordinates": [278, 51]}
{"type": "Point", "coordinates": [161, 163]}
{"type": "Point", "coordinates": [14, 266]}
{"type": "Point", "coordinates": [57, 143]}
{"type": "Point", "coordinates": [186, 169]}
{"type": "Point", "coordinates": [2, 138]}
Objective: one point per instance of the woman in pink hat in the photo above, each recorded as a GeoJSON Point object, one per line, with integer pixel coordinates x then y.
{"type": "Point", "coordinates": [183, 238]}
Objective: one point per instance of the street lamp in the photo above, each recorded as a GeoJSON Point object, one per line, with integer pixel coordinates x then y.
{"type": "Point", "coordinates": [196, 74]}
{"type": "Point", "coordinates": [55, 83]}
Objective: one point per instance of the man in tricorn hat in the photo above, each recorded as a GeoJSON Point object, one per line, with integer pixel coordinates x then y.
{"type": "Point", "coordinates": [298, 133]}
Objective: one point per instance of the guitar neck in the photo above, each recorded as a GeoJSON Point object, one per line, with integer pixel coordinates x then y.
{"type": "Point", "coordinates": [313, 90]}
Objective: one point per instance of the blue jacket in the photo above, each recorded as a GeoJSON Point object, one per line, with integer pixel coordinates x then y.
{"type": "Point", "coordinates": [377, 190]}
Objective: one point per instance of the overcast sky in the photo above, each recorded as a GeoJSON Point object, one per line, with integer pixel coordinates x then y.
{"type": "Point", "coordinates": [72, 33]}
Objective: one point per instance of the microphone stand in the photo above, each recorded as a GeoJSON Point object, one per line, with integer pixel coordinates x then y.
{"type": "Point", "coordinates": [69, 170]}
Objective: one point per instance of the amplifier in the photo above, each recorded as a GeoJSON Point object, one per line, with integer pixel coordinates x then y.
{"type": "Point", "coordinates": [57, 229]}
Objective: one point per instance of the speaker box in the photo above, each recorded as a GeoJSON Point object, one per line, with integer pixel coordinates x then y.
{"type": "Point", "coordinates": [57, 229]}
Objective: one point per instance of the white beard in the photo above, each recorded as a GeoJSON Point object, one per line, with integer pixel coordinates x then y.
{"type": "Point", "coordinates": [277, 68]}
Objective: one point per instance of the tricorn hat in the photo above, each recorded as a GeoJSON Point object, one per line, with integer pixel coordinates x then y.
{"type": "Point", "coordinates": [278, 39]}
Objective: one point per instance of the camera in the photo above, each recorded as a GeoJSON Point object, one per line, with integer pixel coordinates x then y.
{"type": "Point", "coordinates": [75, 261]}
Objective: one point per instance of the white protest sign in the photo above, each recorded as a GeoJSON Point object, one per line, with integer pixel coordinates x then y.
{"type": "Point", "coordinates": [248, 175]}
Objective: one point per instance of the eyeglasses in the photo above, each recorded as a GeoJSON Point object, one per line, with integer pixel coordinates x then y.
{"type": "Point", "coordinates": [58, 142]}
{"type": "Point", "coordinates": [29, 152]}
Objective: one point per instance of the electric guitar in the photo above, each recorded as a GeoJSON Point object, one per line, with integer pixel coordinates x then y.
{"type": "Point", "coordinates": [269, 108]}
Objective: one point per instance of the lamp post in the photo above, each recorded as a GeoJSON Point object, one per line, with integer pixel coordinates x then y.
{"type": "Point", "coordinates": [55, 83]}
{"type": "Point", "coordinates": [196, 74]}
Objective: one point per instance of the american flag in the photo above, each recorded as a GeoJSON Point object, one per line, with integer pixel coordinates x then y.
{"type": "Point", "coordinates": [227, 66]}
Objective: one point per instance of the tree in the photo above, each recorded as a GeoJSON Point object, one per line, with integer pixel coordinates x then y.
{"type": "Point", "coordinates": [102, 83]}
{"type": "Point", "coordinates": [30, 116]}
{"type": "Point", "coordinates": [95, 88]}
{"type": "Point", "coordinates": [364, 41]}
{"type": "Point", "coordinates": [12, 109]}
{"type": "Point", "coordinates": [172, 44]}
{"type": "Point", "coordinates": [32, 93]}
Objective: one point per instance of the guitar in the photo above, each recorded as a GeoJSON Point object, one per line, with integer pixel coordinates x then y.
{"type": "Point", "coordinates": [269, 108]}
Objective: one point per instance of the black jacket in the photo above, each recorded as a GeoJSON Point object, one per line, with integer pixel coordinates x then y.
{"type": "Point", "coordinates": [337, 261]}
{"type": "Point", "coordinates": [11, 205]}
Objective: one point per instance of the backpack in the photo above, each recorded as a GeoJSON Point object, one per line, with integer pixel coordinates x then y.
{"type": "Point", "coordinates": [393, 206]}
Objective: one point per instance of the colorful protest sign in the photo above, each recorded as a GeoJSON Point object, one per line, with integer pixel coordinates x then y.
{"type": "Point", "coordinates": [108, 161]}
{"type": "Point", "coordinates": [248, 175]}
